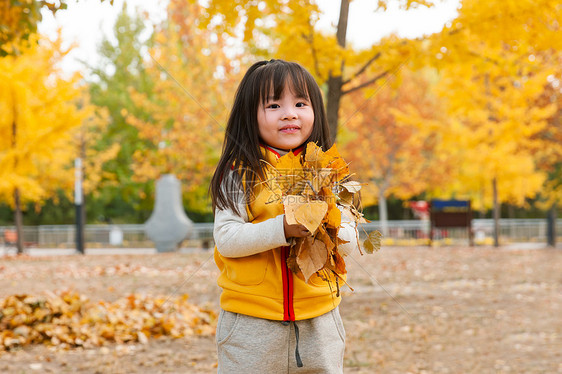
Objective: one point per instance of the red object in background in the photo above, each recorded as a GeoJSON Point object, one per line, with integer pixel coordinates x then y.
{"type": "Point", "coordinates": [10, 237]}
{"type": "Point", "coordinates": [420, 209]}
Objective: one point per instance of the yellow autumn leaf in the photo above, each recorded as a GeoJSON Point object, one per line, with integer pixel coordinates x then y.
{"type": "Point", "coordinates": [373, 242]}
{"type": "Point", "coordinates": [333, 217]}
{"type": "Point", "coordinates": [322, 178]}
{"type": "Point", "coordinates": [311, 214]}
{"type": "Point", "coordinates": [289, 173]}
{"type": "Point", "coordinates": [289, 162]}
{"type": "Point", "coordinates": [337, 163]}
{"type": "Point", "coordinates": [314, 157]}
{"type": "Point", "coordinates": [291, 203]}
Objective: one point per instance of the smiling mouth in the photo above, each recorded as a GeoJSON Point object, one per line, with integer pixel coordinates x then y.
{"type": "Point", "coordinates": [290, 129]}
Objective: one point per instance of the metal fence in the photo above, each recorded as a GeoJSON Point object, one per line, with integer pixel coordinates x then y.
{"type": "Point", "coordinates": [102, 236]}
{"type": "Point", "coordinates": [397, 233]}
{"type": "Point", "coordinates": [511, 231]}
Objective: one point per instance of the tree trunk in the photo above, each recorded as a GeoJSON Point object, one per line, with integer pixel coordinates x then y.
{"type": "Point", "coordinates": [335, 80]}
{"type": "Point", "coordinates": [551, 225]}
{"type": "Point", "coordinates": [496, 213]}
{"type": "Point", "coordinates": [383, 213]}
{"type": "Point", "coordinates": [510, 211]}
{"type": "Point", "coordinates": [18, 217]}
{"type": "Point", "coordinates": [333, 105]}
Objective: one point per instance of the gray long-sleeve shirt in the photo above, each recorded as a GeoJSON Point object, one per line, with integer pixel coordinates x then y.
{"type": "Point", "coordinates": [236, 237]}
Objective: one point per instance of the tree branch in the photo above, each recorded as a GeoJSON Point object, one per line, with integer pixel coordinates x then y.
{"type": "Point", "coordinates": [310, 39]}
{"type": "Point", "coordinates": [363, 68]}
{"type": "Point", "coordinates": [365, 84]}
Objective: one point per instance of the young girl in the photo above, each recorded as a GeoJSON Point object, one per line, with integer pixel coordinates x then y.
{"type": "Point", "coordinates": [271, 320]}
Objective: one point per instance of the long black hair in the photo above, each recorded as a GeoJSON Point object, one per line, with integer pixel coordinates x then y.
{"type": "Point", "coordinates": [241, 147]}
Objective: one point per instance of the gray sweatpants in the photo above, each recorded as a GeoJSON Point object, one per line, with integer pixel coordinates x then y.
{"type": "Point", "coordinates": [251, 345]}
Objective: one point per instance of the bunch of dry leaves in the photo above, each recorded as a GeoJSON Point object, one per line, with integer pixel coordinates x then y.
{"type": "Point", "coordinates": [316, 190]}
{"type": "Point", "coordinates": [69, 319]}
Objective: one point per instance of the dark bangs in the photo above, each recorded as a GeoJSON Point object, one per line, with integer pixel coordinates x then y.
{"type": "Point", "coordinates": [277, 77]}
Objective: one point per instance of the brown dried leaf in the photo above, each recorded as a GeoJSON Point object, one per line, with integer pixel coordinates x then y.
{"type": "Point", "coordinates": [336, 263]}
{"type": "Point", "coordinates": [312, 257]}
{"type": "Point", "coordinates": [291, 203]}
{"type": "Point", "coordinates": [373, 242]}
{"type": "Point", "coordinates": [292, 259]}
{"type": "Point", "coordinates": [345, 198]}
{"type": "Point", "coordinates": [322, 178]}
{"type": "Point", "coordinates": [357, 216]}
{"type": "Point", "coordinates": [352, 186]}
{"type": "Point", "coordinates": [339, 263]}
{"type": "Point", "coordinates": [325, 237]}
{"type": "Point", "coordinates": [70, 319]}
{"type": "Point", "coordinates": [362, 219]}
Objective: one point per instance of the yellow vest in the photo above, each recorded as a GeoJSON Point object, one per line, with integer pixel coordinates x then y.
{"type": "Point", "coordinates": [262, 285]}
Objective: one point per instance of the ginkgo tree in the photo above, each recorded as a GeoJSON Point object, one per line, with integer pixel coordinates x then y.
{"type": "Point", "coordinates": [19, 19]}
{"type": "Point", "coordinates": [39, 117]}
{"type": "Point", "coordinates": [287, 30]}
{"type": "Point", "coordinates": [397, 156]}
{"type": "Point", "coordinates": [121, 69]}
{"type": "Point", "coordinates": [186, 112]}
{"type": "Point", "coordinates": [549, 156]}
{"type": "Point", "coordinates": [492, 74]}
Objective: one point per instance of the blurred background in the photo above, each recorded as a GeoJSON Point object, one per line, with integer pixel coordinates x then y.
{"type": "Point", "coordinates": [448, 111]}
{"type": "Point", "coordinates": [426, 99]}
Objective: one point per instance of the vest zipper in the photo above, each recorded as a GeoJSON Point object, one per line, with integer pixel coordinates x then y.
{"type": "Point", "coordinates": [288, 312]}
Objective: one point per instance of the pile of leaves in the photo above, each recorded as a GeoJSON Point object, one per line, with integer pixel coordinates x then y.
{"type": "Point", "coordinates": [67, 319]}
{"type": "Point", "coordinates": [316, 190]}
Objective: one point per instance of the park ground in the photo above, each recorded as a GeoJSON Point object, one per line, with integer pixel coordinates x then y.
{"type": "Point", "coordinates": [413, 310]}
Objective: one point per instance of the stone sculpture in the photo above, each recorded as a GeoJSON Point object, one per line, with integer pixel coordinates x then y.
{"type": "Point", "coordinates": [168, 224]}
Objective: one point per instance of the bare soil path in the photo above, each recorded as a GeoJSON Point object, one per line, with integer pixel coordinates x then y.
{"type": "Point", "coordinates": [413, 310]}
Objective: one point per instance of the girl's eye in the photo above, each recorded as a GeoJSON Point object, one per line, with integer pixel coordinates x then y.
{"type": "Point", "coordinates": [300, 105]}
{"type": "Point", "coordinates": [273, 106]}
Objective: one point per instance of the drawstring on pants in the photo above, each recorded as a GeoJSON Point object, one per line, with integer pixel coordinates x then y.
{"type": "Point", "coordinates": [297, 354]}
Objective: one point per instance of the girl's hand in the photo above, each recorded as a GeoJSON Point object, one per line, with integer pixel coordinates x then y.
{"type": "Point", "coordinates": [294, 231]}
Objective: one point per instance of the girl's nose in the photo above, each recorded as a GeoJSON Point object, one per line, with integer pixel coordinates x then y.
{"type": "Point", "coordinates": [290, 113]}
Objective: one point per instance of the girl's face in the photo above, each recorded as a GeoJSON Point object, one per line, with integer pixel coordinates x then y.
{"type": "Point", "coordinates": [285, 123]}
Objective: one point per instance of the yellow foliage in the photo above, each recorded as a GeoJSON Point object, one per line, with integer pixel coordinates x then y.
{"type": "Point", "coordinates": [38, 115]}
{"type": "Point", "coordinates": [16, 21]}
{"type": "Point", "coordinates": [194, 81]}
{"type": "Point", "coordinates": [396, 138]}
{"type": "Point", "coordinates": [493, 68]}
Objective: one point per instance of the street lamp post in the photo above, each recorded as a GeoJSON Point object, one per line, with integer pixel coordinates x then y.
{"type": "Point", "coordinates": [79, 203]}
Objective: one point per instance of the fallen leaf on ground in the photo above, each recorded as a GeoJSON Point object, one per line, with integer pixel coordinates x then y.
{"type": "Point", "coordinates": [68, 319]}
